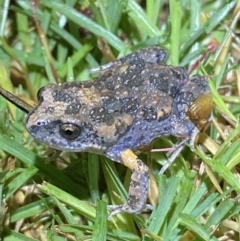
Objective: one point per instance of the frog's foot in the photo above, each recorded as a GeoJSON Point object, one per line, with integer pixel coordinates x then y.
{"type": "Point", "coordinates": [193, 138]}
{"type": "Point", "coordinates": [173, 156]}
{"type": "Point", "coordinates": [115, 209]}
{"type": "Point", "coordinates": [138, 188]}
{"type": "Point", "coordinates": [178, 148]}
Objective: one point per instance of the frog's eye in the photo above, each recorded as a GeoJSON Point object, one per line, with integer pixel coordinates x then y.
{"type": "Point", "coordinates": [70, 131]}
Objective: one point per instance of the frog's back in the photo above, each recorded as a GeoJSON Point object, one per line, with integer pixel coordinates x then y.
{"type": "Point", "coordinates": [143, 89]}
{"type": "Point", "coordinates": [145, 92]}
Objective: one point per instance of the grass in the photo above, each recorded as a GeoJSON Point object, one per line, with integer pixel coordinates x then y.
{"type": "Point", "coordinates": [48, 195]}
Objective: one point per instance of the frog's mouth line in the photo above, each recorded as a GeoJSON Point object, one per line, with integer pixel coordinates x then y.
{"type": "Point", "coordinates": [24, 106]}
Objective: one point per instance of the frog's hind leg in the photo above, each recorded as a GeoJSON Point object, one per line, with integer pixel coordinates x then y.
{"type": "Point", "coordinates": [138, 189]}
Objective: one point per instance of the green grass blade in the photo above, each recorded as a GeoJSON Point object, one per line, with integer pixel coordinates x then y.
{"type": "Point", "coordinates": [168, 193]}
{"type": "Point", "coordinates": [175, 18]}
{"type": "Point", "coordinates": [100, 226]}
{"type": "Point", "coordinates": [194, 226]}
{"type": "Point", "coordinates": [219, 213]}
{"type": "Point", "coordinates": [87, 23]}
{"type": "Point", "coordinates": [10, 235]}
{"type": "Point", "coordinates": [212, 22]}
{"type": "Point", "coordinates": [31, 159]}
{"type": "Point", "coordinates": [138, 16]}
{"type": "Point", "coordinates": [81, 206]}
{"type": "Point", "coordinates": [31, 209]}
{"type": "Point", "coordinates": [18, 181]}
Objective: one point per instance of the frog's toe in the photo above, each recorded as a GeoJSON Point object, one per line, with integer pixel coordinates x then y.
{"type": "Point", "coordinates": [115, 209]}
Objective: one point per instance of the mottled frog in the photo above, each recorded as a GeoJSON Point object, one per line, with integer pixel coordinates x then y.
{"type": "Point", "coordinates": [133, 101]}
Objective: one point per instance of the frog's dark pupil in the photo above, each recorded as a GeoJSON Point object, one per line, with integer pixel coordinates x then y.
{"type": "Point", "coordinates": [70, 131]}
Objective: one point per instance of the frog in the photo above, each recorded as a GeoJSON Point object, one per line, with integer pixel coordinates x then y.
{"type": "Point", "coordinates": [133, 101]}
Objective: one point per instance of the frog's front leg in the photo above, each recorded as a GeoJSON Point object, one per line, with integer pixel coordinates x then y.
{"type": "Point", "coordinates": [138, 189]}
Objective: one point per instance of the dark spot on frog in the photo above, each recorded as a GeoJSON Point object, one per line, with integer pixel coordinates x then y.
{"type": "Point", "coordinates": [135, 183]}
{"type": "Point", "coordinates": [165, 82]}
{"type": "Point", "coordinates": [108, 84]}
{"type": "Point", "coordinates": [148, 113]}
{"type": "Point", "coordinates": [59, 95]}
{"type": "Point", "coordinates": [185, 98]}
{"type": "Point", "coordinates": [132, 77]}
{"type": "Point", "coordinates": [133, 80]}
{"type": "Point", "coordinates": [73, 109]}
{"type": "Point", "coordinates": [134, 62]}
{"type": "Point", "coordinates": [100, 114]}
{"type": "Point", "coordinates": [159, 82]}
{"type": "Point", "coordinates": [111, 103]}
{"type": "Point", "coordinates": [130, 105]}
{"type": "Point", "coordinates": [200, 81]}
{"type": "Point", "coordinates": [173, 91]}
{"type": "Point", "coordinates": [134, 199]}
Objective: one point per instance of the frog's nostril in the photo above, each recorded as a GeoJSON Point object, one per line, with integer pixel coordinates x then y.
{"type": "Point", "coordinates": [42, 123]}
